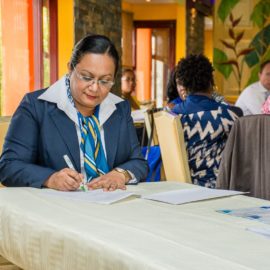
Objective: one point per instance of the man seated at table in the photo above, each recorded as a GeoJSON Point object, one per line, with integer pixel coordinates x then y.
{"type": "Point", "coordinates": [253, 96]}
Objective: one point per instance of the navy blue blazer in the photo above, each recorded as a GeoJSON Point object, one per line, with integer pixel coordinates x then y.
{"type": "Point", "coordinates": [40, 135]}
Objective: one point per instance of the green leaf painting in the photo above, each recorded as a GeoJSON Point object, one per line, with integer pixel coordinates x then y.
{"type": "Point", "coordinates": [254, 54]}
{"type": "Point", "coordinates": [254, 75]}
{"type": "Point", "coordinates": [261, 44]}
{"type": "Point", "coordinates": [225, 8]}
{"type": "Point", "coordinates": [219, 59]}
{"type": "Point", "coordinates": [260, 13]}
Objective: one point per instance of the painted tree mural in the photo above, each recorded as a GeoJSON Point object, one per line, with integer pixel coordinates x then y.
{"type": "Point", "coordinates": [257, 51]}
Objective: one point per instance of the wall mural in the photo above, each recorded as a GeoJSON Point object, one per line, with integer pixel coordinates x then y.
{"type": "Point", "coordinates": [257, 51]}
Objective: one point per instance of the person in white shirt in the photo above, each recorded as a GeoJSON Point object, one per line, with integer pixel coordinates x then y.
{"type": "Point", "coordinates": [253, 96]}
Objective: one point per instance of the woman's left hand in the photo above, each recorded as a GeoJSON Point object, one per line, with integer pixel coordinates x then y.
{"type": "Point", "coordinates": [109, 182]}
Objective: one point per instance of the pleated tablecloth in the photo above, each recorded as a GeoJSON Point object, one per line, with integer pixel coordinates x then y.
{"type": "Point", "coordinates": [46, 232]}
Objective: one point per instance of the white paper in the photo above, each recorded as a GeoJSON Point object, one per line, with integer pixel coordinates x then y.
{"type": "Point", "coordinates": [190, 195]}
{"type": "Point", "coordinates": [138, 115]}
{"type": "Point", "coordinates": [261, 231]}
{"type": "Point", "coordinates": [93, 196]}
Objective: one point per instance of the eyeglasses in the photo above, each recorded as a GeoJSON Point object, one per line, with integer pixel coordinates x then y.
{"type": "Point", "coordinates": [104, 84]}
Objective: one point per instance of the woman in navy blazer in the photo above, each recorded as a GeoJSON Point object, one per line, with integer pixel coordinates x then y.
{"type": "Point", "coordinates": [76, 113]}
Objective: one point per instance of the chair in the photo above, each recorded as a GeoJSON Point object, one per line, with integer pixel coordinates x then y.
{"type": "Point", "coordinates": [152, 151]}
{"type": "Point", "coordinates": [172, 145]}
{"type": "Point", "coordinates": [150, 126]}
{"type": "Point", "coordinates": [246, 157]}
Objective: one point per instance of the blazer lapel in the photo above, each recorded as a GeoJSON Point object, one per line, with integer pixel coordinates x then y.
{"type": "Point", "coordinates": [67, 130]}
{"type": "Point", "coordinates": [111, 132]}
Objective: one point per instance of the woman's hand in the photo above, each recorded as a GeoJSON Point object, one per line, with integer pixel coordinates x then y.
{"type": "Point", "coordinates": [65, 180]}
{"type": "Point", "coordinates": [109, 182]}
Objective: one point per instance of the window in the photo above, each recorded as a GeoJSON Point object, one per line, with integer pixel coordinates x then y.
{"type": "Point", "coordinates": [28, 49]}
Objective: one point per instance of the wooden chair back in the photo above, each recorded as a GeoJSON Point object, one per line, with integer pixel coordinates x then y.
{"type": "Point", "coordinates": [172, 145]}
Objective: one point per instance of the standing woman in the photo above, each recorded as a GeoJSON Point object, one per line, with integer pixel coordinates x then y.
{"type": "Point", "coordinates": [76, 117]}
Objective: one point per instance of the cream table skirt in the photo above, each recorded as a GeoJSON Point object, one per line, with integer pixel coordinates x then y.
{"type": "Point", "coordinates": [41, 232]}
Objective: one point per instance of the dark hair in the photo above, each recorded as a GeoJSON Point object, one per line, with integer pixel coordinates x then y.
{"type": "Point", "coordinates": [195, 73]}
{"type": "Point", "coordinates": [94, 44]}
{"type": "Point", "coordinates": [172, 92]}
{"type": "Point", "coordinates": [263, 64]}
{"type": "Point", "coordinates": [124, 70]}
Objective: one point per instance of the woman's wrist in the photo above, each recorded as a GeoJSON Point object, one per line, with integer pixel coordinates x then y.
{"type": "Point", "coordinates": [48, 182]}
{"type": "Point", "coordinates": [124, 173]}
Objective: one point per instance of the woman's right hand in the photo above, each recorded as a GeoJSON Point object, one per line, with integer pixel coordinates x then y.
{"type": "Point", "coordinates": [64, 180]}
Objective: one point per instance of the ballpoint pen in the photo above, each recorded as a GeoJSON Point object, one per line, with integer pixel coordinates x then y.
{"type": "Point", "coordinates": [83, 185]}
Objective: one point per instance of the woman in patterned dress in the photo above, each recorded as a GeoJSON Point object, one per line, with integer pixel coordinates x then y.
{"type": "Point", "coordinates": [206, 122]}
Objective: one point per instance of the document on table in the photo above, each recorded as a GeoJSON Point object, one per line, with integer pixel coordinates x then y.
{"type": "Point", "coordinates": [261, 213]}
{"type": "Point", "coordinates": [190, 195]}
{"type": "Point", "coordinates": [261, 231]}
{"type": "Point", "coordinates": [93, 196]}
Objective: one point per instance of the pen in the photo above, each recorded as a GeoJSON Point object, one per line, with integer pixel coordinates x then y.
{"type": "Point", "coordinates": [68, 162]}
{"type": "Point", "coordinates": [83, 186]}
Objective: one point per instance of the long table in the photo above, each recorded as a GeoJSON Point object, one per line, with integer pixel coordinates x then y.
{"type": "Point", "coordinates": [42, 232]}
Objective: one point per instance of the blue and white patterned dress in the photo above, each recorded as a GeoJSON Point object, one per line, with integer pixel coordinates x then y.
{"type": "Point", "coordinates": [206, 124]}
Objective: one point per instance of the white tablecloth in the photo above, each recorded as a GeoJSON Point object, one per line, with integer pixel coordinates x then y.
{"type": "Point", "coordinates": [42, 232]}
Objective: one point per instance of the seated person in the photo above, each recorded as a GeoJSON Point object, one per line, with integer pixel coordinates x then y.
{"type": "Point", "coordinates": [175, 93]}
{"type": "Point", "coordinates": [128, 85]}
{"type": "Point", "coordinates": [77, 123]}
{"type": "Point", "coordinates": [206, 122]}
{"type": "Point", "coordinates": [253, 96]}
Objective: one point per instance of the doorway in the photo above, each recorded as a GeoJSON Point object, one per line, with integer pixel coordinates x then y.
{"type": "Point", "coordinates": [155, 58]}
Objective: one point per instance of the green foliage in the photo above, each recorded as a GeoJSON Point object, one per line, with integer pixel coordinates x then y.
{"type": "Point", "coordinates": [225, 8]}
{"type": "Point", "coordinates": [219, 59]}
{"type": "Point", "coordinates": [252, 59]}
{"type": "Point", "coordinates": [254, 74]}
{"type": "Point", "coordinates": [258, 49]}
{"type": "Point", "coordinates": [237, 59]}
{"type": "Point", "coordinates": [261, 45]}
{"type": "Point", "coordinates": [261, 41]}
{"type": "Point", "coordinates": [260, 13]}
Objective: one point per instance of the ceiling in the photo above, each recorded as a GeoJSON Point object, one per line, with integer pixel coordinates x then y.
{"type": "Point", "coordinates": [151, 2]}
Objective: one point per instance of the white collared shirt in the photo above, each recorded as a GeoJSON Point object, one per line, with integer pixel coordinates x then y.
{"type": "Point", "coordinates": [252, 99]}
